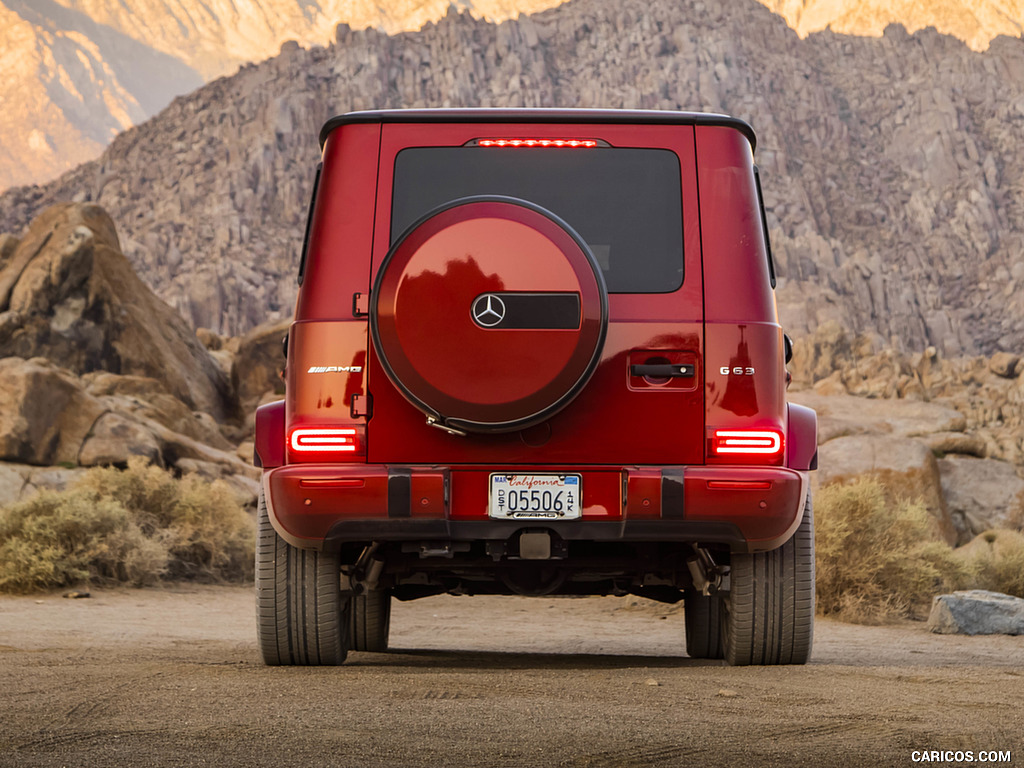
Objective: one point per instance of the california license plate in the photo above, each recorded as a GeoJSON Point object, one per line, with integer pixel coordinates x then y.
{"type": "Point", "coordinates": [535, 497]}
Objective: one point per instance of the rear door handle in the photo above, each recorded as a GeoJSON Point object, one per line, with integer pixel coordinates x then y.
{"type": "Point", "coordinates": [663, 371]}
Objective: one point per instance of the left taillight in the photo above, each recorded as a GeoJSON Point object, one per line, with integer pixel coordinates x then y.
{"type": "Point", "coordinates": [334, 441]}
{"type": "Point", "coordinates": [766, 444]}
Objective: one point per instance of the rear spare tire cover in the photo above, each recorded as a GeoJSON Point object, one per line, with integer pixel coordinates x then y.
{"type": "Point", "coordinates": [489, 314]}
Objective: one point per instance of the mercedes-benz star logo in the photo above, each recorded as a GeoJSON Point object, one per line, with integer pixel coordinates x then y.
{"type": "Point", "coordinates": [488, 310]}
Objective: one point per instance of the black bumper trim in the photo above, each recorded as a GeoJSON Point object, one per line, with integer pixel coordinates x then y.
{"type": "Point", "coordinates": [672, 494]}
{"type": "Point", "coordinates": [501, 530]}
{"type": "Point", "coordinates": [400, 493]}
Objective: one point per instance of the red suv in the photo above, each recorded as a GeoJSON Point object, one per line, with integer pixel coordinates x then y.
{"type": "Point", "coordinates": [536, 352]}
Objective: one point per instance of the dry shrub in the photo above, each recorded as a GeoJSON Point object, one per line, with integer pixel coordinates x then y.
{"type": "Point", "coordinates": [877, 560]}
{"type": "Point", "coordinates": [134, 526]}
{"type": "Point", "coordinates": [207, 534]}
{"type": "Point", "coordinates": [57, 539]}
{"type": "Point", "coordinates": [995, 560]}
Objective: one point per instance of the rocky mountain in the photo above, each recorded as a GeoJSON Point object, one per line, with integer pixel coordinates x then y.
{"type": "Point", "coordinates": [976, 23]}
{"type": "Point", "coordinates": [78, 72]}
{"type": "Point", "coordinates": [214, 38]}
{"type": "Point", "coordinates": [70, 85]}
{"type": "Point", "coordinates": [892, 166]}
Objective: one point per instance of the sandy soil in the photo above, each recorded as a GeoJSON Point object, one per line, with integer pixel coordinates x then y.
{"type": "Point", "coordinates": [171, 678]}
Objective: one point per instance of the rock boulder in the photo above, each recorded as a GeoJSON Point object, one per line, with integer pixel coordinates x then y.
{"type": "Point", "coordinates": [257, 366]}
{"type": "Point", "coordinates": [67, 293]}
{"type": "Point", "coordinates": [980, 493]}
{"type": "Point", "coordinates": [840, 415]}
{"type": "Point", "coordinates": [977, 612]}
{"type": "Point", "coordinates": [50, 416]}
{"type": "Point", "coordinates": [8, 243]}
{"type": "Point", "coordinates": [1004, 364]}
{"type": "Point", "coordinates": [45, 415]}
{"type": "Point", "coordinates": [19, 481]}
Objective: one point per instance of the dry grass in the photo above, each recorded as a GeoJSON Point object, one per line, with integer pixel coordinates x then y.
{"type": "Point", "coordinates": [875, 560]}
{"type": "Point", "coordinates": [60, 539]}
{"type": "Point", "coordinates": [878, 559]}
{"type": "Point", "coordinates": [134, 526]}
{"type": "Point", "coordinates": [207, 534]}
{"type": "Point", "coordinates": [995, 560]}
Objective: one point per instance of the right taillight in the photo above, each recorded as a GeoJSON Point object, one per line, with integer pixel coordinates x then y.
{"type": "Point", "coordinates": [765, 444]}
{"type": "Point", "coordinates": [327, 442]}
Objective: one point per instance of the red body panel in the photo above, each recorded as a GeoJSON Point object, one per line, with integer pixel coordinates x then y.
{"type": "Point", "coordinates": [737, 285]}
{"type": "Point", "coordinates": [325, 399]}
{"type": "Point", "coordinates": [649, 423]}
{"type": "Point", "coordinates": [640, 444]}
{"type": "Point", "coordinates": [745, 380]}
{"type": "Point", "coordinates": [751, 393]}
{"type": "Point", "coordinates": [307, 501]}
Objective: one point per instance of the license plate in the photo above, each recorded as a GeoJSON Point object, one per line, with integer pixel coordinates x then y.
{"type": "Point", "coordinates": [535, 497]}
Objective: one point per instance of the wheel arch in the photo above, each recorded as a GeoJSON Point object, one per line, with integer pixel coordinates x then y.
{"type": "Point", "coordinates": [268, 451]}
{"type": "Point", "coordinates": [802, 438]}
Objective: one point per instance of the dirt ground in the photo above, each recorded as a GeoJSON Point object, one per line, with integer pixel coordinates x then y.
{"type": "Point", "coordinates": [171, 678]}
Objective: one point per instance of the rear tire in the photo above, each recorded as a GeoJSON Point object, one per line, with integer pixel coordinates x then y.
{"type": "Point", "coordinates": [371, 621]}
{"type": "Point", "coordinates": [703, 624]}
{"type": "Point", "coordinates": [302, 617]}
{"type": "Point", "coordinates": [768, 614]}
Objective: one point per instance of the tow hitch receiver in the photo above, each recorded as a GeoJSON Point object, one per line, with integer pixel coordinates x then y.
{"type": "Point", "coordinates": [535, 546]}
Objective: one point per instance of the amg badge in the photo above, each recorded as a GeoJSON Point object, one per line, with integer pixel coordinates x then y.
{"type": "Point", "coordinates": [335, 369]}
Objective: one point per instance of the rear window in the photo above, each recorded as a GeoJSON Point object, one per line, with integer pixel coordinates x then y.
{"type": "Point", "coordinates": [625, 203]}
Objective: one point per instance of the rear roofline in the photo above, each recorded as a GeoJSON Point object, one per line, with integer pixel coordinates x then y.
{"type": "Point", "coordinates": [581, 116]}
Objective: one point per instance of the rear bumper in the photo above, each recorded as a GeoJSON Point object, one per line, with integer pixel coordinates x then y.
{"type": "Point", "coordinates": [749, 509]}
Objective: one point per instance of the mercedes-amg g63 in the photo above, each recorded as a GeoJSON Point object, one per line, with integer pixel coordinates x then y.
{"type": "Point", "coordinates": [536, 352]}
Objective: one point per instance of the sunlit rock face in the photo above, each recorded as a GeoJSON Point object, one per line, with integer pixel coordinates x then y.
{"type": "Point", "coordinates": [976, 23]}
{"type": "Point", "coordinates": [78, 72]}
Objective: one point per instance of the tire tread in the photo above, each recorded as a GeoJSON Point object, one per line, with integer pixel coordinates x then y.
{"type": "Point", "coordinates": [768, 617]}
{"type": "Point", "coordinates": [702, 622]}
{"type": "Point", "coordinates": [301, 613]}
{"type": "Point", "coordinates": [371, 621]}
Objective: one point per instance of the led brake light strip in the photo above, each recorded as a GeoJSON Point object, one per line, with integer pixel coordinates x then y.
{"type": "Point", "coordinates": [323, 440]}
{"type": "Point", "coordinates": [747, 441]}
